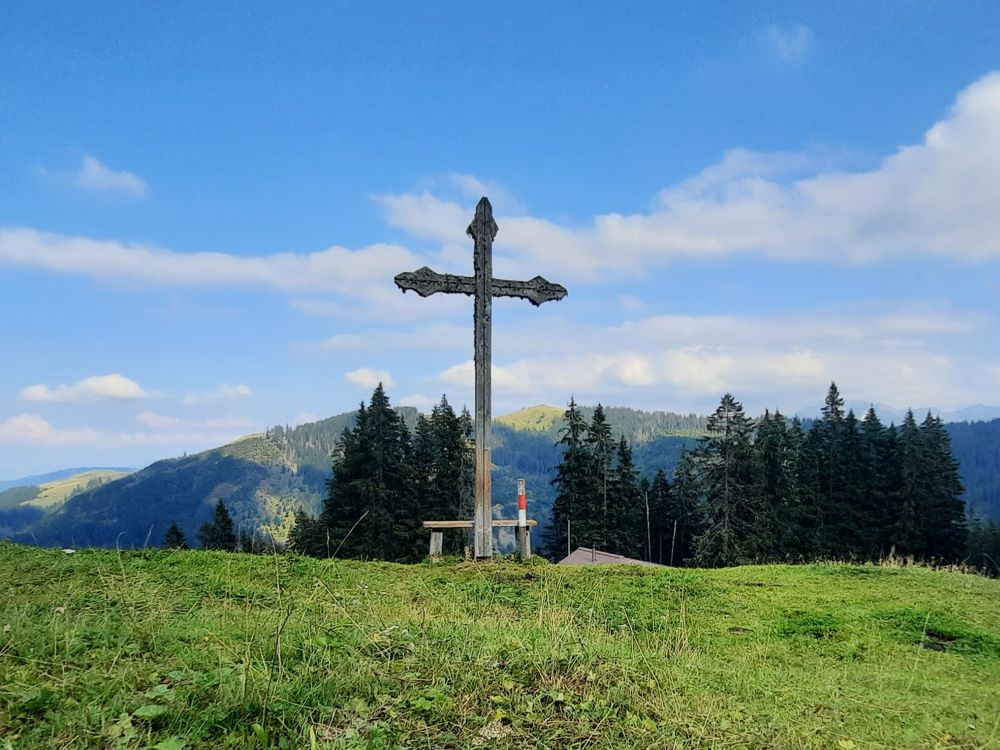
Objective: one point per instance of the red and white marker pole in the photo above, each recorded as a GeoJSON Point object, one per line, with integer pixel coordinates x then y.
{"type": "Point", "coordinates": [522, 503]}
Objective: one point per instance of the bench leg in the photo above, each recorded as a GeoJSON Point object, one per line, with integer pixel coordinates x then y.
{"type": "Point", "coordinates": [437, 543]}
{"type": "Point", "coordinates": [523, 534]}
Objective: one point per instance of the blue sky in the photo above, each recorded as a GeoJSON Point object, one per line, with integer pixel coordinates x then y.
{"type": "Point", "coordinates": [202, 207]}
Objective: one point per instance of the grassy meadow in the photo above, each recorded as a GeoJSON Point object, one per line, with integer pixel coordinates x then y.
{"type": "Point", "coordinates": [190, 649]}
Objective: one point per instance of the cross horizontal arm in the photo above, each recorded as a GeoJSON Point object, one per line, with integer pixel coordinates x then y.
{"type": "Point", "coordinates": [536, 290]}
{"type": "Point", "coordinates": [426, 282]}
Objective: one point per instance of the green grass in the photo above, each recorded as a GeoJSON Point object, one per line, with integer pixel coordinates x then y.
{"type": "Point", "coordinates": [159, 649]}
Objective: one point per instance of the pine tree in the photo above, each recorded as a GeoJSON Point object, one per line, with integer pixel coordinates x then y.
{"type": "Point", "coordinates": [731, 489]}
{"type": "Point", "coordinates": [174, 538]}
{"type": "Point", "coordinates": [601, 446]}
{"type": "Point", "coordinates": [571, 511]}
{"type": "Point", "coordinates": [676, 513]}
{"type": "Point", "coordinates": [827, 445]}
{"type": "Point", "coordinates": [877, 485]}
{"type": "Point", "coordinates": [218, 533]}
{"type": "Point", "coordinates": [308, 536]}
{"type": "Point", "coordinates": [944, 508]}
{"type": "Point", "coordinates": [444, 469]}
{"type": "Point", "coordinates": [626, 514]}
{"type": "Point", "coordinates": [908, 533]}
{"type": "Point", "coordinates": [776, 482]}
{"type": "Point", "coordinates": [371, 509]}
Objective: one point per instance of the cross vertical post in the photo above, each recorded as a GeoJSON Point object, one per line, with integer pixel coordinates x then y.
{"type": "Point", "coordinates": [484, 288]}
{"type": "Point", "coordinates": [482, 230]}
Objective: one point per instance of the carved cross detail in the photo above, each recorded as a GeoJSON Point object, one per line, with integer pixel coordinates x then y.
{"type": "Point", "coordinates": [484, 288]}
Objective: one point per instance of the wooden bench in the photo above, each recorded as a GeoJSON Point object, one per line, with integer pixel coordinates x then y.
{"type": "Point", "coordinates": [523, 533]}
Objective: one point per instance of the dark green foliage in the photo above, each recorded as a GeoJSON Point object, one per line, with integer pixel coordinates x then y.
{"type": "Point", "coordinates": [174, 538]}
{"type": "Point", "coordinates": [444, 472]}
{"type": "Point", "coordinates": [371, 509]}
{"type": "Point", "coordinates": [572, 511]}
{"type": "Point", "coordinates": [385, 483]}
{"type": "Point", "coordinates": [737, 530]}
{"type": "Point", "coordinates": [984, 545]}
{"type": "Point", "coordinates": [218, 533]}
{"type": "Point", "coordinates": [769, 491]}
{"type": "Point", "coordinates": [675, 515]}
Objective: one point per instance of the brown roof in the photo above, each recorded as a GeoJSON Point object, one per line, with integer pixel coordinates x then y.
{"type": "Point", "coordinates": [588, 556]}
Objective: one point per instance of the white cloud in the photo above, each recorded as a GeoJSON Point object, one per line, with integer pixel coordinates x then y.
{"type": "Point", "coordinates": [365, 273]}
{"type": "Point", "coordinates": [366, 377]}
{"type": "Point", "coordinates": [418, 401]}
{"type": "Point", "coordinates": [95, 387]}
{"type": "Point", "coordinates": [769, 360]}
{"type": "Point", "coordinates": [93, 175]}
{"type": "Point", "coordinates": [221, 393]}
{"type": "Point", "coordinates": [788, 45]}
{"type": "Point", "coordinates": [162, 421]}
{"type": "Point", "coordinates": [938, 197]}
{"type": "Point", "coordinates": [438, 336]}
{"type": "Point", "coordinates": [149, 419]}
{"type": "Point", "coordinates": [32, 428]}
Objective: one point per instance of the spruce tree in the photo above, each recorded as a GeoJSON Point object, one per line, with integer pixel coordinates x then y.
{"type": "Point", "coordinates": [908, 533]}
{"type": "Point", "coordinates": [774, 468]}
{"type": "Point", "coordinates": [218, 533]}
{"type": "Point", "coordinates": [571, 510]}
{"type": "Point", "coordinates": [444, 469]}
{"type": "Point", "coordinates": [371, 509]}
{"type": "Point", "coordinates": [626, 513]}
{"type": "Point", "coordinates": [601, 446]}
{"type": "Point", "coordinates": [944, 507]}
{"type": "Point", "coordinates": [731, 489]}
{"type": "Point", "coordinates": [876, 486]}
{"type": "Point", "coordinates": [678, 520]}
{"type": "Point", "coordinates": [174, 538]}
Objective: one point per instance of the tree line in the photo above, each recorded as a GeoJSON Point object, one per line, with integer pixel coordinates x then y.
{"type": "Point", "coordinates": [386, 482]}
{"type": "Point", "coordinates": [766, 490]}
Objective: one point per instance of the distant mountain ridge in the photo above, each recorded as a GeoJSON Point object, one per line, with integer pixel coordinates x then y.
{"type": "Point", "coordinates": [265, 478]}
{"type": "Point", "coordinates": [53, 476]}
{"type": "Point", "coordinates": [972, 413]}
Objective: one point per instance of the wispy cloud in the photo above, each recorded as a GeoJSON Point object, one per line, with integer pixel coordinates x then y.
{"type": "Point", "coordinates": [788, 45]}
{"type": "Point", "coordinates": [114, 386]}
{"type": "Point", "coordinates": [93, 175]}
{"type": "Point", "coordinates": [220, 393]}
{"type": "Point", "coordinates": [368, 377]}
{"type": "Point", "coordinates": [168, 422]}
{"type": "Point", "coordinates": [935, 198]}
{"type": "Point", "coordinates": [32, 428]}
{"type": "Point", "coordinates": [770, 360]}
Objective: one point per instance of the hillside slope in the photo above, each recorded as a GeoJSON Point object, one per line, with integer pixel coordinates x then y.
{"type": "Point", "coordinates": [200, 650]}
{"type": "Point", "coordinates": [265, 478]}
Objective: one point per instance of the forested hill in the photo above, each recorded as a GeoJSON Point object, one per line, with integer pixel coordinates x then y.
{"type": "Point", "coordinates": [638, 427]}
{"type": "Point", "coordinates": [265, 478]}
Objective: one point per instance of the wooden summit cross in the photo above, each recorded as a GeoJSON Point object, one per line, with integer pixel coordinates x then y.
{"type": "Point", "coordinates": [484, 287]}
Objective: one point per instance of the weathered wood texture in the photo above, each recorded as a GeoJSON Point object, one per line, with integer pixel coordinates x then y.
{"type": "Point", "coordinates": [505, 522]}
{"type": "Point", "coordinates": [426, 282]}
{"type": "Point", "coordinates": [437, 543]}
{"type": "Point", "coordinates": [523, 534]}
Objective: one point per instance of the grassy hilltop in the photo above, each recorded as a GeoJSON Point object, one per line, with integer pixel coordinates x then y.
{"type": "Point", "coordinates": [154, 649]}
